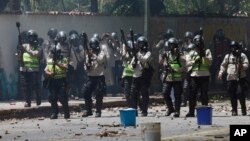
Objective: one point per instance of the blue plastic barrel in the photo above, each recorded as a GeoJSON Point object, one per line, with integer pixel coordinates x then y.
{"type": "Point", "coordinates": [204, 115]}
{"type": "Point", "coordinates": [128, 117]}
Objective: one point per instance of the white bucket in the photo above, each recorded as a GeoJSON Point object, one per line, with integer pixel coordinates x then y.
{"type": "Point", "coordinates": [151, 131]}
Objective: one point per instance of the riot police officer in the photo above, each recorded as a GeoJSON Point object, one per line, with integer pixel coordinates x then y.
{"type": "Point", "coordinates": [30, 68]}
{"type": "Point", "coordinates": [188, 39]}
{"type": "Point", "coordinates": [174, 67]}
{"type": "Point", "coordinates": [235, 64]}
{"type": "Point", "coordinates": [200, 63]}
{"type": "Point", "coordinates": [140, 82]}
{"type": "Point", "coordinates": [114, 43]}
{"type": "Point", "coordinates": [127, 74]}
{"type": "Point", "coordinates": [95, 67]}
{"type": "Point", "coordinates": [66, 51]}
{"type": "Point", "coordinates": [186, 48]}
{"type": "Point", "coordinates": [56, 69]}
{"type": "Point", "coordinates": [169, 33]}
{"type": "Point", "coordinates": [47, 45]}
{"type": "Point", "coordinates": [77, 76]}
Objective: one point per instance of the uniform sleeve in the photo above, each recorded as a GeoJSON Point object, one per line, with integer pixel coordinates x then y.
{"type": "Point", "coordinates": [245, 63]}
{"type": "Point", "coordinates": [189, 61]}
{"type": "Point", "coordinates": [223, 65]}
{"type": "Point", "coordinates": [160, 44]}
{"type": "Point", "coordinates": [144, 58]}
{"type": "Point", "coordinates": [208, 57]}
{"type": "Point", "coordinates": [36, 52]}
{"type": "Point", "coordinates": [183, 62]}
{"type": "Point", "coordinates": [101, 57]}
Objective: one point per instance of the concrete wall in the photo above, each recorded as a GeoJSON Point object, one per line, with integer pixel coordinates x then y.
{"type": "Point", "coordinates": [234, 28]}
{"type": "Point", "coordinates": [237, 29]}
{"type": "Point", "coordinates": [41, 24]}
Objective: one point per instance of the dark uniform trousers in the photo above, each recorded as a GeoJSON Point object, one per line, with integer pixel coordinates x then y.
{"type": "Point", "coordinates": [139, 90]}
{"type": "Point", "coordinates": [198, 83]}
{"type": "Point", "coordinates": [236, 90]}
{"type": "Point", "coordinates": [166, 91]}
{"type": "Point", "coordinates": [57, 90]}
{"type": "Point", "coordinates": [94, 84]}
{"type": "Point", "coordinates": [186, 89]}
{"type": "Point", "coordinates": [127, 82]}
{"type": "Point", "coordinates": [30, 83]}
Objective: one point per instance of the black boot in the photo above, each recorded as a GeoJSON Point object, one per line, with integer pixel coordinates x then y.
{"type": "Point", "coordinates": [87, 113]}
{"type": "Point", "coordinates": [169, 112]}
{"type": "Point", "coordinates": [177, 114]}
{"type": "Point", "coordinates": [190, 114]}
{"type": "Point", "coordinates": [244, 112]}
{"type": "Point", "coordinates": [27, 104]}
{"type": "Point", "coordinates": [53, 116]}
{"type": "Point", "coordinates": [66, 115]}
{"type": "Point", "coordinates": [98, 114]}
{"type": "Point", "coordinates": [88, 109]}
{"type": "Point", "coordinates": [234, 113]}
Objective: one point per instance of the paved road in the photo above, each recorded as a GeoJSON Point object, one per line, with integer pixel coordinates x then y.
{"type": "Point", "coordinates": [95, 129]}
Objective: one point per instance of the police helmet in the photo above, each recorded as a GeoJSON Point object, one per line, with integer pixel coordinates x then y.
{"type": "Point", "coordinates": [189, 35]}
{"type": "Point", "coordinates": [61, 36]}
{"type": "Point", "coordinates": [169, 33]}
{"type": "Point", "coordinates": [172, 43]}
{"type": "Point", "coordinates": [142, 43]}
{"type": "Point", "coordinates": [94, 44]}
{"type": "Point", "coordinates": [114, 36]}
{"type": "Point", "coordinates": [74, 39]}
{"type": "Point", "coordinates": [52, 33]}
{"type": "Point", "coordinates": [190, 46]}
{"type": "Point", "coordinates": [137, 35]}
{"type": "Point", "coordinates": [198, 39]}
{"type": "Point", "coordinates": [97, 36]}
{"type": "Point", "coordinates": [234, 45]}
{"type": "Point", "coordinates": [73, 32]}
{"type": "Point", "coordinates": [32, 36]}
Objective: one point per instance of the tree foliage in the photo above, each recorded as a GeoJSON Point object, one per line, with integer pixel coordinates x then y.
{"type": "Point", "coordinates": [134, 7]}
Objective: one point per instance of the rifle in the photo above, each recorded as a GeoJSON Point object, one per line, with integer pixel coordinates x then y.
{"type": "Point", "coordinates": [19, 46]}
{"type": "Point", "coordinates": [134, 51]}
{"type": "Point", "coordinates": [202, 51]}
{"type": "Point", "coordinates": [201, 47]}
{"type": "Point", "coordinates": [167, 67]}
{"type": "Point", "coordinates": [84, 39]}
{"type": "Point", "coordinates": [238, 57]}
{"type": "Point", "coordinates": [124, 41]}
{"type": "Point", "coordinates": [48, 79]}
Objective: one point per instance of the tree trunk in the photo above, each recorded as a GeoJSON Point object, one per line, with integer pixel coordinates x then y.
{"type": "Point", "coordinates": [94, 6]}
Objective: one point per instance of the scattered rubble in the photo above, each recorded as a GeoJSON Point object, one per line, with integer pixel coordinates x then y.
{"type": "Point", "coordinates": [110, 133]}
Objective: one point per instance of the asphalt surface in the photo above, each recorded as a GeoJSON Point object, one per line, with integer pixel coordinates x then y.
{"type": "Point", "coordinates": [19, 123]}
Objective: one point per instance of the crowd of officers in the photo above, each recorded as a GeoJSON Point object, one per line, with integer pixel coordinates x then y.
{"type": "Point", "coordinates": [77, 64]}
